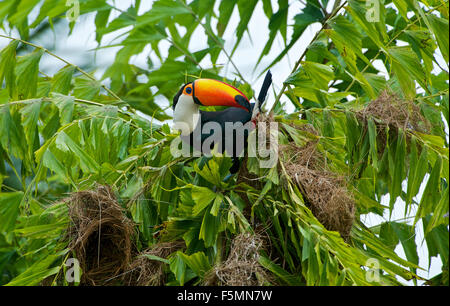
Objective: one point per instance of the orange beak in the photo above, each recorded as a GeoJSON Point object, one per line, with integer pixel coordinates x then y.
{"type": "Point", "coordinates": [216, 93]}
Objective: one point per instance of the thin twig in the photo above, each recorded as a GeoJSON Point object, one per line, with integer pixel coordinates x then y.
{"type": "Point", "coordinates": [66, 62]}
{"type": "Point", "coordinates": [171, 41]}
{"type": "Point", "coordinates": [45, 99]}
{"type": "Point", "coordinates": [186, 54]}
{"type": "Point", "coordinates": [208, 32]}
{"type": "Point", "coordinates": [297, 64]}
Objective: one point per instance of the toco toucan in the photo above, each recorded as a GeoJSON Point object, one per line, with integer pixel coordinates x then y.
{"type": "Point", "coordinates": [197, 126]}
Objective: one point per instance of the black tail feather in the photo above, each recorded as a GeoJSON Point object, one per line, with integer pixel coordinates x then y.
{"type": "Point", "coordinates": [264, 88]}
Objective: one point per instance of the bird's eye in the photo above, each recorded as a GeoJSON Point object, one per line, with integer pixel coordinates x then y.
{"type": "Point", "coordinates": [188, 90]}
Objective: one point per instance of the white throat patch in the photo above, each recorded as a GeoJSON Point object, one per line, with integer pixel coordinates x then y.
{"type": "Point", "coordinates": [186, 115]}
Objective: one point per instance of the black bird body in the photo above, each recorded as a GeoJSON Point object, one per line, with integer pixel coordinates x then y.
{"type": "Point", "coordinates": [203, 139]}
{"type": "Point", "coordinates": [231, 114]}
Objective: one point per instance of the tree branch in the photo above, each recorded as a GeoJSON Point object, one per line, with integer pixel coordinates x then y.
{"type": "Point", "coordinates": [297, 64]}
{"type": "Point", "coordinates": [63, 60]}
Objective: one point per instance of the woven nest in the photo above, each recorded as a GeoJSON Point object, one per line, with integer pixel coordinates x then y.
{"type": "Point", "coordinates": [99, 235]}
{"type": "Point", "coordinates": [390, 111]}
{"type": "Point", "coordinates": [145, 271]}
{"type": "Point", "coordinates": [241, 268]}
{"type": "Point", "coordinates": [324, 191]}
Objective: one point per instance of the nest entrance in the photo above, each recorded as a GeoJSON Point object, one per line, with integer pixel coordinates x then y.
{"type": "Point", "coordinates": [99, 235]}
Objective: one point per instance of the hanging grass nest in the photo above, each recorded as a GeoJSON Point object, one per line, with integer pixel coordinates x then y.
{"type": "Point", "coordinates": [145, 270]}
{"type": "Point", "coordinates": [391, 111]}
{"type": "Point", "coordinates": [324, 192]}
{"type": "Point", "coordinates": [241, 268]}
{"type": "Point", "coordinates": [100, 236]}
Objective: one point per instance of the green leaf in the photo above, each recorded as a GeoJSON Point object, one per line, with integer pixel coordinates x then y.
{"type": "Point", "coordinates": [318, 75]}
{"type": "Point", "coordinates": [27, 70]}
{"type": "Point", "coordinates": [277, 23]}
{"type": "Point", "coordinates": [406, 63]}
{"type": "Point", "coordinates": [439, 212]}
{"type": "Point", "coordinates": [225, 10]}
{"type": "Point", "coordinates": [162, 9]}
{"type": "Point", "coordinates": [328, 127]}
{"type": "Point", "coordinates": [30, 116]}
{"type": "Point", "coordinates": [43, 231]}
{"type": "Point", "coordinates": [358, 11]}
{"type": "Point", "coordinates": [421, 169]}
{"type": "Point", "coordinates": [86, 88]}
{"type": "Point", "coordinates": [51, 162]}
{"type": "Point", "coordinates": [157, 258]}
{"type": "Point", "coordinates": [18, 16]}
{"type": "Point", "coordinates": [202, 197]}
{"type": "Point", "coordinates": [38, 271]}
{"type": "Point", "coordinates": [437, 241]}
{"type": "Point", "coordinates": [405, 80]}
{"type": "Point", "coordinates": [65, 106]}
{"type": "Point", "coordinates": [347, 34]}
{"type": "Point", "coordinates": [209, 229]}
{"type": "Point", "coordinates": [216, 206]}
{"type": "Point", "coordinates": [413, 158]}
{"type": "Point", "coordinates": [101, 19]}
{"type": "Point", "coordinates": [430, 196]}
{"type": "Point", "coordinates": [9, 210]}
{"type": "Point", "coordinates": [7, 66]}
{"type": "Point", "coordinates": [50, 9]}
{"type": "Point", "coordinates": [376, 82]}
{"type": "Point", "coordinates": [198, 262]}
{"type": "Point", "coordinates": [311, 13]}
{"type": "Point", "coordinates": [289, 279]}
{"type": "Point", "coordinates": [246, 8]}
{"type": "Point", "coordinates": [406, 234]}
{"type": "Point", "coordinates": [400, 154]}
{"type": "Point", "coordinates": [62, 79]}
{"type": "Point", "coordinates": [87, 163]}
{"type": "Point", "coordinates": [388, 235]}
{"type": "Point", "coordinates": [178, 267]}
{"type": "Point", "coordinates": [134, 185]}
{"type": "Point", "coordinates": [11, 137]}
{"type": "Point", "coordinates": [125, 19]}
{"type": "Point", "coordinates": [373, 143]}
{"type": "Point", "coordinates": [440, 29]}
{"type": "Point", "coordinates": [210, 172]}
{"type": "Point", "coordinates": [141, 35]}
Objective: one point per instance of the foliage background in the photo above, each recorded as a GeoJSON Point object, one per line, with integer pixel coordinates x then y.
{"type": "Point", "coordinates": [54, 125]}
